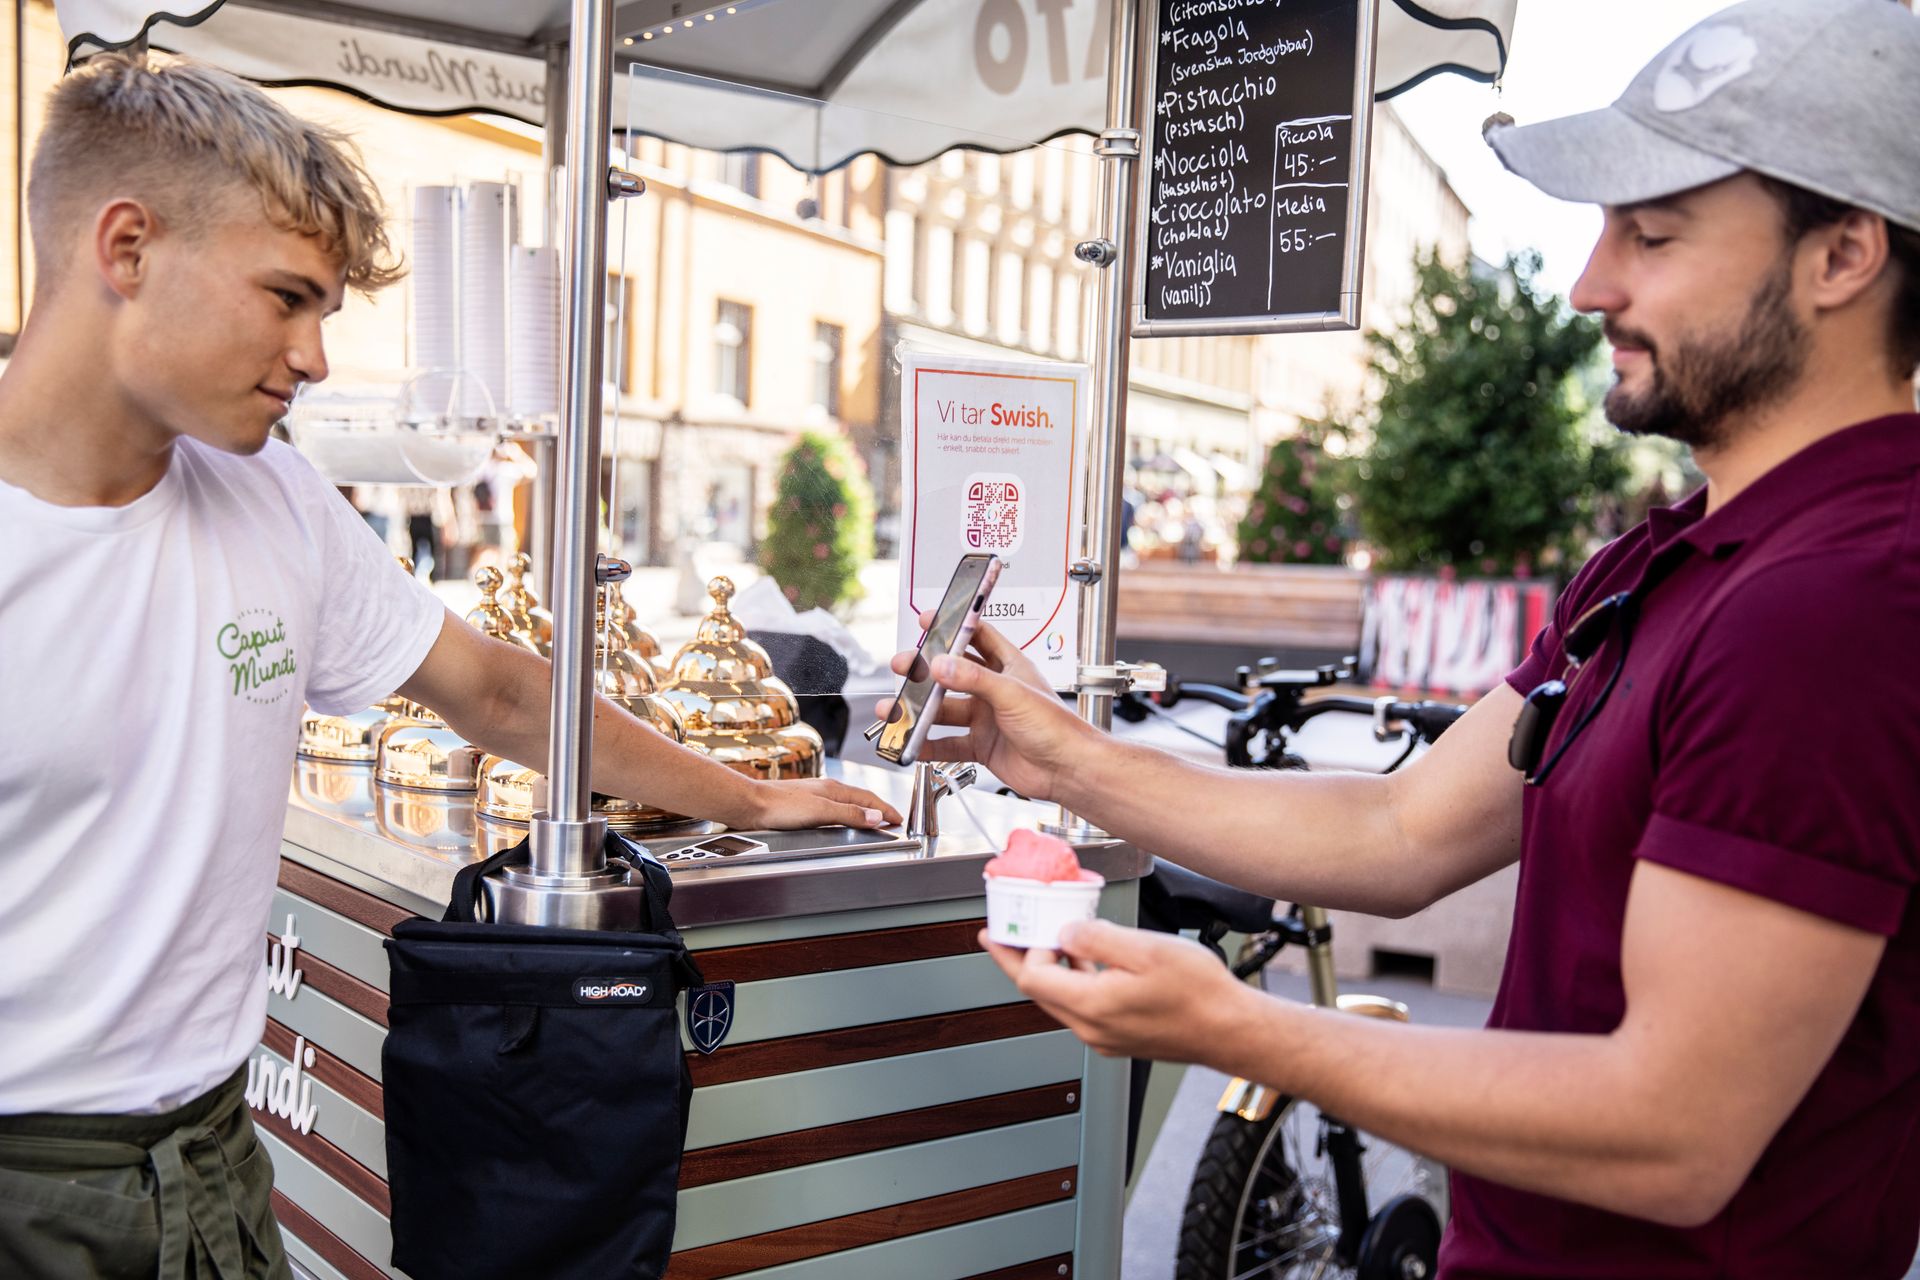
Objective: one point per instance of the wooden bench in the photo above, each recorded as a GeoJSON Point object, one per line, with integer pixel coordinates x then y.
{"type": "Point", "coordinates": [1202, 620]}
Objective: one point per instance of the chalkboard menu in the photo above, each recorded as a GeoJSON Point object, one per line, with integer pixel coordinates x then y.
{"type": "Point", "coordinates": [1253, 190]}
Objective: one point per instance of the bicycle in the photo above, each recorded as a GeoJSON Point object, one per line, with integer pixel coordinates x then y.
{"type": "Point", "coordinates": [1282, 1190]}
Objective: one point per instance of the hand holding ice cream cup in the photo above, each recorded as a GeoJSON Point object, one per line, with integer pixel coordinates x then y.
{"type": "Point", "coordinates": [1035, 889]}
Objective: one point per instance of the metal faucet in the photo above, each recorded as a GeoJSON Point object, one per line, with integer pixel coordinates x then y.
{"type": "Point", "coordinates": [931, 784]}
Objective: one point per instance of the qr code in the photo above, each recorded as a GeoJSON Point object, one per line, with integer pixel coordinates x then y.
{"type": "Point", "coordinates": [995, 513]}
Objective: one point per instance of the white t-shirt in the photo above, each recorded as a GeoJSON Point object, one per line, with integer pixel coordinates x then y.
{"type": "Point", "coordinates": [153, 662]}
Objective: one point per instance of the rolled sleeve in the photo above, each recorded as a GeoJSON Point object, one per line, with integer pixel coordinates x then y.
{"type": "Point", "coordinates": [1800, 880]}
{"type": "Point", "coordinates": [376, 623]}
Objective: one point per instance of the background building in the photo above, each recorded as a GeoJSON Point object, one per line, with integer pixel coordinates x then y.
{"type": "Point", "coordinates": [979, 259]}
{"type": "Point", "coordinates": [748, 302]}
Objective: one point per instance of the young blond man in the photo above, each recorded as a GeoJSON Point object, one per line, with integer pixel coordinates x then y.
{"type": "Point", "coordinates": [191, 237]}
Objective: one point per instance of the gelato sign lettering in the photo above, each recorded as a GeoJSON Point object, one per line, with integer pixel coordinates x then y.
{"type": "Point", "coordinates": [475, 81]}
{"type": "Point", "coordinates": [258, 655]}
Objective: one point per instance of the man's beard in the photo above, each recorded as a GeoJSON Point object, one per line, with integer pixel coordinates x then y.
{"type": "Point", "coordinates": [1702, 382]}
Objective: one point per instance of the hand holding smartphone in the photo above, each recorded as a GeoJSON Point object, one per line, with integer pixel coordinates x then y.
{"type": "Point", "coordinates": [917, 705]}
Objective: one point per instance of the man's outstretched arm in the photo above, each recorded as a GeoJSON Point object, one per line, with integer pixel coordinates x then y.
{"type": "Point", "coordinates": [500, 698]}
{"type": "Point", "coordinates": [1734, 1005]}
{"type": "Point", "coordinates": [1387, 845]}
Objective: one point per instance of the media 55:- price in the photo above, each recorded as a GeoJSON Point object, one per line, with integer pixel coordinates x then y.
{"type": "Point", "coordinates": [1298, 240]}
{"type": "Point", "coordinates": [1001, 609]}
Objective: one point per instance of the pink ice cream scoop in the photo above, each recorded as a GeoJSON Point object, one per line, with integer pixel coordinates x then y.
{"type": "Point", "coordinates": [1032, 855]}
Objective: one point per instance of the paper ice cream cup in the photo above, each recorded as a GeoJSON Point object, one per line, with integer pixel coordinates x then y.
{"type": "Point", "coordinates": [1031, 913]}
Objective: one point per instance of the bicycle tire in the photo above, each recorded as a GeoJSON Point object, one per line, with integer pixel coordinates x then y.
{"type": "Point", "coordinates": [1243, 1167]}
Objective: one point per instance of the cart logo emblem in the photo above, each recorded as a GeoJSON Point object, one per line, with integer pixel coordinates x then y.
{"type": "Point", "coordinates": [610, 991]}
{"type": "Point", "coordinates": [709, 1015]}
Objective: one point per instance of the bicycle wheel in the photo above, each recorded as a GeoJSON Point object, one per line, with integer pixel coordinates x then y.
{"type": "Point", "coordinates": [1263, 1205]}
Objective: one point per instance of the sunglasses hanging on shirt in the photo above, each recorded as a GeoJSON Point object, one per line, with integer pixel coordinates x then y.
{"type": "Point", "coordinates": [1527, 749]}
{"type": "Point", "coordinates": [1615, 615]}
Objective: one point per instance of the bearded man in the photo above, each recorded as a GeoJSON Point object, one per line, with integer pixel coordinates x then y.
{"type": "Point", "coordinates": [1704, 1059]}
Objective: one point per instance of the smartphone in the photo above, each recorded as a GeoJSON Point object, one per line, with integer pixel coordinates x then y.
{"type": "Point", "coordinates": [917, 704]}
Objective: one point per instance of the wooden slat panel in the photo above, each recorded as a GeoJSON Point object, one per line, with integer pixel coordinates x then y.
{"type": "Point", "coordinates": [361, 1090]}
{"type": "Point", "coordinates": [363, 998]}
{"type": "Point", "coordinates": [836, 952]}
{"type": "Point", "coordinates": [776, 1248]}
{"type": "Point", "coordinates": [330, 1160]}
{"type": "Point", "coordinates": [865, 1043]}
{"type": "Point", "coordinates": [340, 1255]}
{"type": "Point", "coordinates": [1039, 1269]}
{"type": "Point", "coordinates": [342, 899]}
{"type": "Point", "coordinates": [902, 1128]}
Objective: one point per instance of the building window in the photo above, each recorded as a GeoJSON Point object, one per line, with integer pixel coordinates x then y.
{"type": "Point", "coordinates": [616, 369]}
{"type": "Point", "coordinates": [938, 268]}
{"type": "Point", "coordinates": [902, 230]}
{"type": "Point", "coordinates": [976, 284]}
{"type": "Point", "coordinates": [741, 171]}
{"type": "Point", "coordinates": [826, 368]}
{"type": "Point", "coordinates": [1040, 307]}
{"type": "Point", "coordinates": [1009, 296]}
{"type": "Point", "coordinates": [733, 351]}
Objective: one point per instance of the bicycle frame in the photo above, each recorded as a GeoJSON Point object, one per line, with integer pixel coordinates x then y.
{"type": "Point", "coordinates": [1251, 1101]}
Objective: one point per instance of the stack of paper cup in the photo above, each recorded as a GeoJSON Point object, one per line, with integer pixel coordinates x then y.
{"type": "Point", "coordinates": [486, 234]}
{"type": "Point", "coordinates": [435, 284]}
{"type": "Point", "coordinates": [534, 342]}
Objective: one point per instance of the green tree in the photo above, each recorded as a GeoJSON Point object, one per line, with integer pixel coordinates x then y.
{"type": "Point", "coordinates": [820, 531]}
{"type": "Point", "coordinates": [1485, 453]}
{"type": "Point", "coordinates": [1294, 516]}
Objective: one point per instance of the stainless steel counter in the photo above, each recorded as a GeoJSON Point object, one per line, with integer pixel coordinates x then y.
{"type": "Point", "coordinates": [406, 845]}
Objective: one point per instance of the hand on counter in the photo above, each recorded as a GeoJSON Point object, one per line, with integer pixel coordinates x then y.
{"type": "Point", "coordinates": [813, 802]}
{"type": "Point", "coordinates": [1016, 725]}
{"type": "Point", "coordinates": [1131, 993]}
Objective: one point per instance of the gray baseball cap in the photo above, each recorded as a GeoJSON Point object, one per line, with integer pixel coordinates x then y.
{"type": "Point", "coordinates": [1821, 94]}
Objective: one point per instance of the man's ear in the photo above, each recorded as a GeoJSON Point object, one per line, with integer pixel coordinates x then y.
{"type": "Point", "coordinates": [123, 239]}
{"type": "Point", "coordinates": [1851, 255]}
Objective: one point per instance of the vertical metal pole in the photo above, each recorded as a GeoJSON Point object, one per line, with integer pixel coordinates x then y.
{"type": "Point", "coordinates": [567, 839]}
{"type": "Point", "coordinates": [553, 151]}
{"type": "Point", "coordinates": [1119, 150]}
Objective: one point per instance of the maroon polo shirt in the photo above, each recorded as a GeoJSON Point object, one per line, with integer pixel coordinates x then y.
{"type": "Point", "coordinates": [1765, 733]}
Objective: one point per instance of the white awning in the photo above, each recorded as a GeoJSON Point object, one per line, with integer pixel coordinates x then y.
{"type": "Point", "coordinates": [816, 81]}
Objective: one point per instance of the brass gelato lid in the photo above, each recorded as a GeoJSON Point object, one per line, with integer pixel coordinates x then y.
{"type": "Point", "coordinates": [639, 639]}
{"type": "Point", "coordinates": [618, 671]}
{"type": "Point", "coordinates": [425, 755]}
{"type": "Point", "coordinates": [535, 623]}
{"type": "Point", "coordinates": [734, 706]}
{"type": "Point", "coordinates": [492, 618]}
{"type": "Point", "coordinates": [348, 739]}
{"type": "Point", "coordinates": [512, 792]}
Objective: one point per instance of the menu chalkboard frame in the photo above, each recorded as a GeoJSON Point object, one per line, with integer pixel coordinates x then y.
{"type": "Point", "coordinates": [1347, 316]}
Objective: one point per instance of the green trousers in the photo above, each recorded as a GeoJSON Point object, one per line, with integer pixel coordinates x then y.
{"type": "Point", "coordinates": [179, 1196]}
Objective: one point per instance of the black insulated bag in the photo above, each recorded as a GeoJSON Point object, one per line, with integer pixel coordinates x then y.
{"type": "Point", "coordinates": [536, 1092]}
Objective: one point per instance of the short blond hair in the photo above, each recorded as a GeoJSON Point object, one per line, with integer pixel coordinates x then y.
{"type": "Point", "coordinates": [175, 133]}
